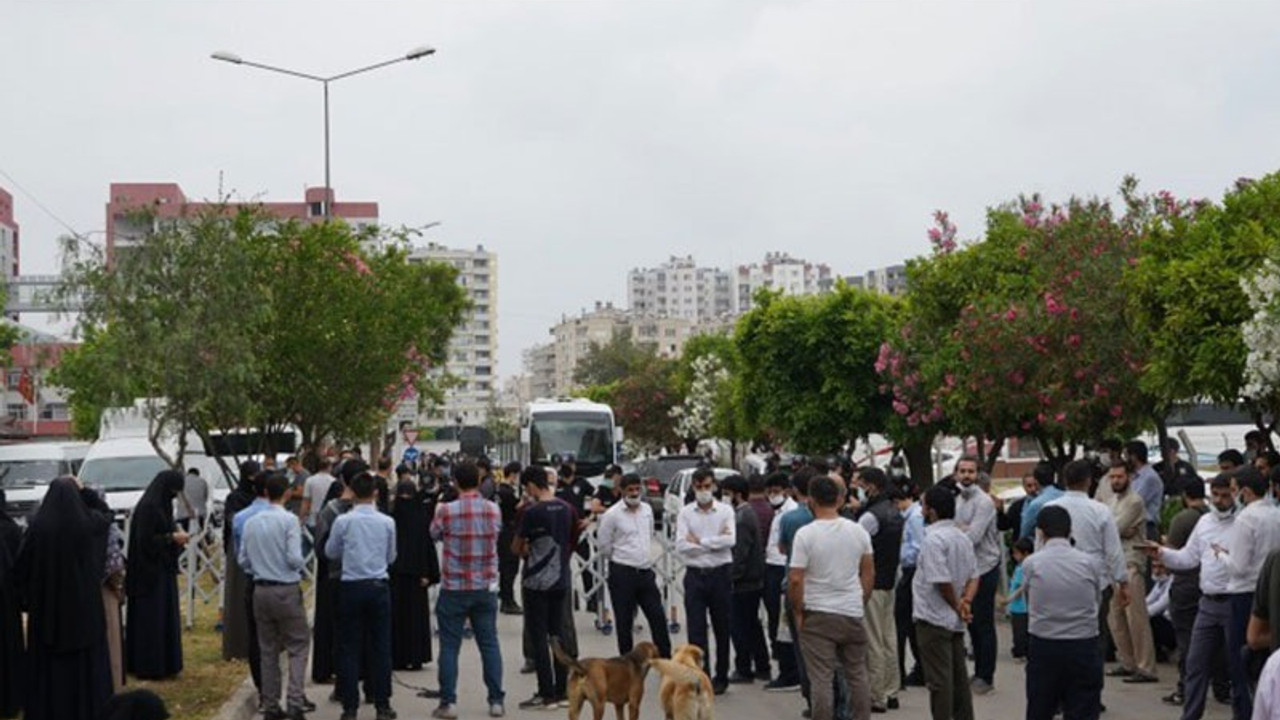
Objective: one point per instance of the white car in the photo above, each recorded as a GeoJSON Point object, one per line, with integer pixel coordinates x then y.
{"type": "Point", "coordinates": [26, 469]}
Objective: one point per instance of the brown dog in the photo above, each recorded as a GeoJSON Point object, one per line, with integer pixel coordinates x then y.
{"type": "Point", "coordinates": [601, 681]}
{"type": "Point", "coordinates": [686, 692]}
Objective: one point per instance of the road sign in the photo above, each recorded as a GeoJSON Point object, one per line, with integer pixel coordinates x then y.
{"type": "Point", "coordinates": [411, 454]}
{"type": "Point", "coordinates": [410, 436]}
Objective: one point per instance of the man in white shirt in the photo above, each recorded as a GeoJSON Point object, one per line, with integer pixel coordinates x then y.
{"type": "Point", "coordinates": [976, 516]}
{"type": "Point", "coordinates": [775, 573]}
{"type": "Point", "coordinates": [705, 534]}
{"type": "Point", "coordinates": [623, 539]}
{"type": "Point", "coordinates": [314, 490]}
{"type": "Point", "coordinates": [831, 576]}
{"type": "Point", "coordinates": [1206, 548]}
{"type": "Point", "coordinates": [1256, 534]}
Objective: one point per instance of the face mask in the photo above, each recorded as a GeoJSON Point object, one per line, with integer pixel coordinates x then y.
{"type": "Point", "coordinates": [704, 497]}
{"type": "Point", "coordinates": [1223, 514]}
{"type": "Point", "coordinates": [861, 495]}
{"type": "Point", "coordinates": [777, 500]}
{"type": "Point", "coordinates": [631, 501]}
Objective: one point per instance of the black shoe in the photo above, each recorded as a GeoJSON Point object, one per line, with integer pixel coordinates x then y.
{"type": "Point", "coordinates": [782, 685]}
{"type": "Point", "coordinates": [877, 708]}
{"type": "Point", "coordinates": [1121, 671]}
{"type": "Point", "coordinates": [429, 694]}
{"type": "Point", "coordinates": [915, 678]}
{"type": "Point", "coordinates": [1174, 698]}
{"type": "Point", "coordinates": [764, 676]}
{"type": "Point", "coordinates": [307, 706]}
{"type": "Point", "coordinates": [1140, 678]}
{"type": "Point", "coordinates": [511, 609]}
{"type": "Point", "coordinates": [893, 703]}
{"type": "Point", "coordinates": [528, 668]}
{"type": "Point", "coordinates": [737, 678]}
{"type": "Point", "coordinates": [719, 686]}
{"type": "Point", "coordinates": [386, 713]}
{"type": "Point", "coordinates": [537, 702]}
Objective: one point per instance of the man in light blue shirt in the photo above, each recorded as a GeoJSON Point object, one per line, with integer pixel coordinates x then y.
{"type": "Point", "coordinates": [912, 538]}
{"type": "Point", "coordinates": [271, 552]}
{"type": "Point", "coordinates": [1146, 483]}
{"type": "Point", "coordinates": [243, 517]}
{"type": "Point", "coordinates": [365, 541]}
{"type": "Point", "coordinates": [1031, 509]}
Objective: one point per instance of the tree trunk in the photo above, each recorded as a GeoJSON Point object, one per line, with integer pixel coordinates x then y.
{"type": "Point", "coordinates": [989, 463]}
{"type": "Point", "coordinates": [919, 455]}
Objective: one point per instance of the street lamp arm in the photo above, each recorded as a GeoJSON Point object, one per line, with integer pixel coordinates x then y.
{"type": "Point", "coordinates": [281, 70]}
{"type": "Point", "coordinates": [414, 55]}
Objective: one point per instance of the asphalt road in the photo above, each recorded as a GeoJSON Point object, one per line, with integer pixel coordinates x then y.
{"type": "Point", "coordinates": [741, 702]}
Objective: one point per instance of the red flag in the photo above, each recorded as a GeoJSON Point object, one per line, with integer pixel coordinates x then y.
{"type": "Point", "coordinates": [27, 388]}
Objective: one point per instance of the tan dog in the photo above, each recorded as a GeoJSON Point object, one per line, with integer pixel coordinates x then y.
{"type": "Point", "coordinates": [601, 681]}
{"type": "Point", "coordinates": [685, 692]}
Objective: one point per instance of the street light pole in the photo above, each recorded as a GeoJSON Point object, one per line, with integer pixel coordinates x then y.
{"type": "Point", "coordinates": [414, 54]}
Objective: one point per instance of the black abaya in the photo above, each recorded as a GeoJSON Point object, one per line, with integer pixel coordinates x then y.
{"type": "Point", "coordinates": [324, 639]}
{"type": "Point", "coordinates": [11, 642]}
{"type": "Point", "coordinates": [153, 633]}
{"type": "Point", "coordinates": [59, 572]}
{"type": "Point", "coordinates": [235, 623]}
{"type": "Point", "coordinates": [415, 567]}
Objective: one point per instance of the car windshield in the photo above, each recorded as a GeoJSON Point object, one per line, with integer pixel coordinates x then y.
{"type": "Point", "coordinates": [25, 473]}
{"type": "Point", "coordinates": [585, 437]}
{"type": "Point", "coordinates": [121, 473]}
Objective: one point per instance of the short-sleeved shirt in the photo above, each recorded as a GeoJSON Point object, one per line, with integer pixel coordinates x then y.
{"type": "Point", "coordinates": [467, 529]}
{"type": "Point", "coordinates": [315, 489]}
{"type": "Point", "coordinates": [791, 523]}
{"type": "Point", "coordinates": [830, 552]}
{"type": "Point", "coordinates": [1064, 588]}
{"type": "Point", "coordinates": [1266, 598]}
{"type": "Point", "coordinates": [946, 557]}
{"type": "Point", "coordinates": [547, 527]}
{"type": "Point", "coordinates": [1019, 604]}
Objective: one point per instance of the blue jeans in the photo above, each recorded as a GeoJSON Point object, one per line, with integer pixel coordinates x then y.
{"type": "Point", "coordinates": [364, 609]}
{"type": "Point", "coordinates": [453, 609]}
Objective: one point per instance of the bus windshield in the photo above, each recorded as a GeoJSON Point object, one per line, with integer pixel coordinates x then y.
{"type": "Point", "coordinates": [586, 437]}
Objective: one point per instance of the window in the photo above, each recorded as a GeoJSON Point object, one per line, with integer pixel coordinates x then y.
{"type": "Point", "coordinates": [54, 411]}
{"type": "Point", "coordinates": [481, 263]}
{"type": "Point", "coordinates": [12, 379]}
{"type": "Point", "coordinates": [483, 370]}
{"type": "Point", "coordinates": [482, 354]}
{"type": "Point", "coordinates": [482, 339]}
{"type": "Point", "coordinates": [18, 411]}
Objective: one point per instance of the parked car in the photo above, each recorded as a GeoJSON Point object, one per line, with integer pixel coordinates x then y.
{"type": "Point", "coordinates": [26, 469]}
{"type": "Point", "coordinates": [656, 473]}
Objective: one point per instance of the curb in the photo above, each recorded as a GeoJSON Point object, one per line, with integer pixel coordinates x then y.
{"type": "Point", "coordinates": [241, 705]}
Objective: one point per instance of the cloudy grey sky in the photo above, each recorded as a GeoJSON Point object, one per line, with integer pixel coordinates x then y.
{"type": "Point", "coordinates": [579, 139]}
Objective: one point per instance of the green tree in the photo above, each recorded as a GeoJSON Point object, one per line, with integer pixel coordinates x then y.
{"type": "Point", "coordinates": [808, 366]}
{"type": "Point", "coordinates": [613, 361]}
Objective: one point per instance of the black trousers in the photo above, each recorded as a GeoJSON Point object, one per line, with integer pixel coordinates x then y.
{"type": "Point", "coordinates": [1019, 623]}
{"type": "Point", "coordinates": [1064, 674]}
{"type": "Point", "coordinates": [982, 631]}
{"type": "Point", "coordinates": [783, 653]}
{"type": "Point", "coordinates": [751, 654]}
{"type": "Point", "coordinates": [902, 599]}
{"type": "Point", "coordinates": [508, 568]}
{"type": "Point", "coordinates": [255, 653]}
{"type": "Point", "coordinates": [710, 591]}
{"type": "Point", "coordinates": [630, 588]}
{"type": "Point", "coordinates": [544, 616]}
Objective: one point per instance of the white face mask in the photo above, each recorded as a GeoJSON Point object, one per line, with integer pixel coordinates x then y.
{"type": "Point", "coordinates": [631, 501]}
{"type": "Point", "coordinates": [777, 500]}
{"type": "Point", "coordinates": [704, 497]}
{"type": "Point", "coordinates": [1222, 514]}
{"type": "Point", "coordinates": [861, 493]}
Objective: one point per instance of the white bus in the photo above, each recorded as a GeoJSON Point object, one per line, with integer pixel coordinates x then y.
{"type": "Point", "coordinates": [553, 431]}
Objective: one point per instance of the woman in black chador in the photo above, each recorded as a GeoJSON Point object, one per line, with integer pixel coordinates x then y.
{"type": "Point", "coordinates": [11, 644]}
{"type": "Point", "coordinates": [153, 631]}
{"type": "Point", "coordinates": [324, 636]}
{"type": "Point", "coordinates": [59, 572]}
{"type": "Point", "coordinates": [416, 567]}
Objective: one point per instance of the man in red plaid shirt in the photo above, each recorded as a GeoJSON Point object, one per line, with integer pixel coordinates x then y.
{"type": "Point", "coordinates": [467, 530]}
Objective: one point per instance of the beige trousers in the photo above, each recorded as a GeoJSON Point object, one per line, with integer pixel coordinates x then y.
{"type": "Point", "coordinates": [882, 646]}
{"type": "Point", "coordinates": [1131, 628]}
{"type": "Point", "coordinates": [111, 605]}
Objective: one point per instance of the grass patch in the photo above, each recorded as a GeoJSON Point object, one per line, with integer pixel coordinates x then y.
{"type": "Point", "coordinates": [207, 680]}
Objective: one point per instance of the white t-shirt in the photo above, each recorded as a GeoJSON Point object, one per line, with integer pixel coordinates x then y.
{"type": "Point", "coordinates": [316, 488]}
{"type": "Point", "coordinates": [1266, 703]}
{"type": "Point", "coordinates": [830, 552]}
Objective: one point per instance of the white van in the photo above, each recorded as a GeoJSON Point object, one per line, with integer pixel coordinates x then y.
{"type": "Point", "coordinates": [26, 469]}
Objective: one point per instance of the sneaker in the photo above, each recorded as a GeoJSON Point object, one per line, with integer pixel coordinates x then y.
{"type": "Point", "coordinates": [537, 702]}
{"type": "Point", "coordinates": [429, 694]}
{"type": "Point", "coordinates": [386, 713]}
{"type": "Point", "coordinates": [497, 710]}
{"type": "Point", "coordinates": [443, 712]}
{"type": "Point", "coordinates": [528, 668]}
{"type": "Point", "coordinates": [1174, 698]}
{"type": "Point", "coordinates": [562, 701]}
{"type": "Point", "coordinates": [878, 708]}
{"type": "Point", "coordinates": [980, 687]}
{"type": "Point", "coordinates": [511, 609]}
{"type": "Point", "coordinates": [780, 685]}
{"type": "Point", "coordinates": [1119, 671]}
{"type": "Point", "coordinates": [1140, 678]}
{"type": "Point", "coordinates": [306, 706]}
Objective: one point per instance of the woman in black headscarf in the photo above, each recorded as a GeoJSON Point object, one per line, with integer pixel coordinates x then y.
{"type": "Point", "coordinates": [415, 569]}
{"type": "Point", "coordinates": [11, 644]}
{"type": "Point", "coordinates": [235, 621]}
{"type": "Point", "coordinates": [59, 572]}
{"type": "Point", "coordinates": [153, 628]}
{"type": "Point", "coordinates": [324, 638]}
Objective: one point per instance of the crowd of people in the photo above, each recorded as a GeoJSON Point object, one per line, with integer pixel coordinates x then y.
{"type": "Point", "coordinates": [844, 584]}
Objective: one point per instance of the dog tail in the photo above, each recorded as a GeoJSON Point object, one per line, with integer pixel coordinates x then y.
{"type": "Point", "coordinates": [564, 658]}
{"type": "Point", "coordinates": [679, 672]}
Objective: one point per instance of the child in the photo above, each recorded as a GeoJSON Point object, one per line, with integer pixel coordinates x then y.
{"type": "Point", "coordinates": [1018, 599]}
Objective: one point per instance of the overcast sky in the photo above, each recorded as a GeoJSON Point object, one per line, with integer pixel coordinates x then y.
{"type": "Point", "coordinates": [581, 139]}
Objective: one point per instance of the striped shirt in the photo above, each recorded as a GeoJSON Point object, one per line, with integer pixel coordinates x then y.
{"type": "Point", "coordinates": [467, 529]}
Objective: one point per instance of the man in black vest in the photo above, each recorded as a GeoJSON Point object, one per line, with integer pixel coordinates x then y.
{"type": "Point", "coordinates": [883, 522]}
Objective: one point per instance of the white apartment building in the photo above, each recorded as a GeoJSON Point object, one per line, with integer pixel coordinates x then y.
{"type": "Point", "coordinates": [779, 271]}
{"type": "Point", "coordinates": [473, 350]}
{"type": "Point", "coordinates": [890, 280]}
{"type": "Point", "coordinates": [679, 288]}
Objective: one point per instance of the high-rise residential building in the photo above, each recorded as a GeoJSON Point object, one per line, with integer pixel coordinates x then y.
{"type": "Point", "coordinates": [890, 280]}
{"type": "Point", "coordinates": [540, 370]}
{"type": "Point", "coordinates": [473, 349]}
{"type": "Point", "coordinates": [679, 288]}
{"type": "Point", "coordinates": [8, 239]}
{"type": "Point", "coordinates": [779, 271]}
{"type": "Point", "coordinates": [166, 201]}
